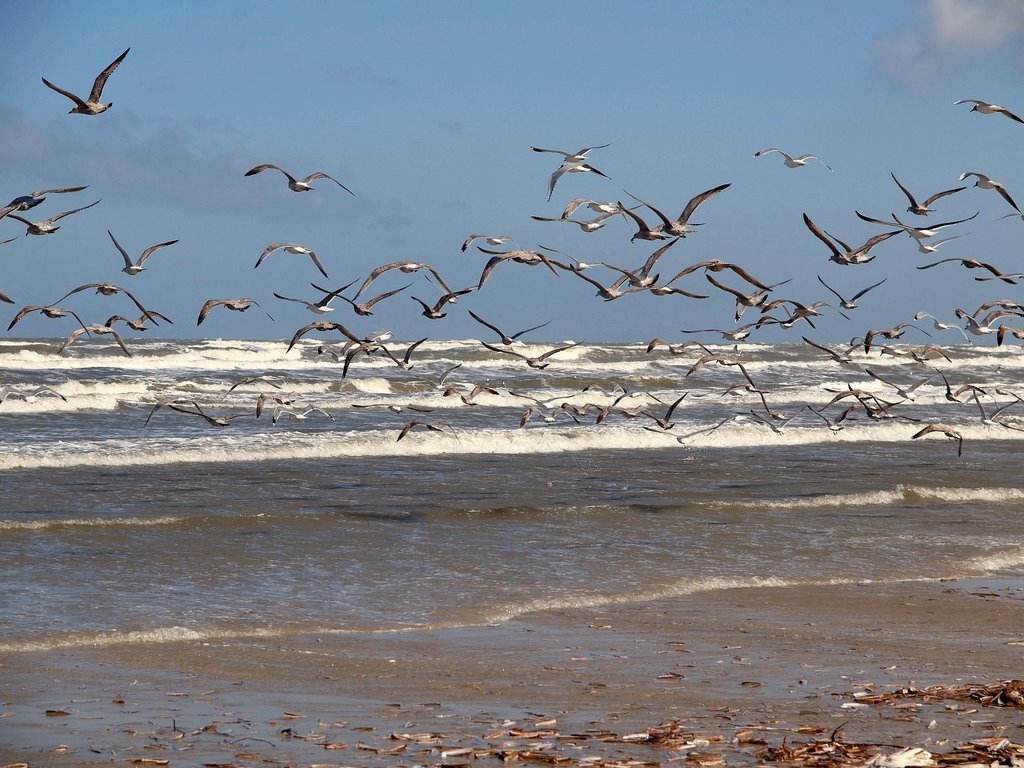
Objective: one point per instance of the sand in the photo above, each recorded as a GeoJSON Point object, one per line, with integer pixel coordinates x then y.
{"type": "Point", "coordinates": [733, 672]}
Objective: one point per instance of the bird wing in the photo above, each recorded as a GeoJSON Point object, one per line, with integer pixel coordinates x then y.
{"type": "Point", "coordinates": [377, 272]}
{"type": "Point", "coordinates": [322, 175]}
{"type": "Point", "coordinates": [69, 94]}
{"type": "Point", "coordinates": [101, 78]}
{"type": "Point", "coordinates": [659, 214]}
{"type": "Point", "coordinates": [267, 166]}
{"type": "Point", "coordinates": [831, 290]}
{"type": "Point", "coordinates": [548, 354]}
{"type": "Point", "coordinates": [488, 325]}
{"type": "Point", "coordinates": [209, 305]}
{"type": "Point", "coordinates": [57, 191]}
{"type": "Point", "coordinates": [318, 265]}
{"type": "Point", "coordinates": [383, 296]}
{"type": "Point", "coordinates": [938, 195]}
{"type": "Point", "coordinates": [153, 248]}
{"type": "Point", "coordinates": [503, 351]}
{"type": "Point", "coordinates": [1006, 196]}
{"type": "Point", "coordinates": [74, 335]}
{"type": "Point", "coordinates": [124, 253]}
{"type": "Point", "coordinates": [557, 175]}
{"type": "Point", "coordinates": [906, 192]}
{"type": "Point", "coordinates": [695, 201]}
{"type": "Point", "coordinates": [60, 216]}
{"type": "Point", "coordinates": [821, 236]}
{"type": "Point", "coordinates": [870, 287]}
{"type": "Point", "coordinates": [534, 328]}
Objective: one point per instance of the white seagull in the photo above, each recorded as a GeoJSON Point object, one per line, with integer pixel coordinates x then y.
{"type": "Point", "coordinates": [789, 160]}
{"type": "Point", "coordinates": [988, 109]}
{"type": "Point", "coordinates": [986, 183]}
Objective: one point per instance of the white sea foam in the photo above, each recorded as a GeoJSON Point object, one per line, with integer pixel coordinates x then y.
{"type": "Point", "coordinates": [999, 561]}
{"type": "Point", "coordinates": [298, 445]}
{"type": "Point", "coordinates": [898, 495]}
{"type": "Point", "coordinates": [500, 614]}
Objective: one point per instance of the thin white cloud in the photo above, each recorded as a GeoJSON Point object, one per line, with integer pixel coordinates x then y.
{"type": "Point", "coordinates": [944, 33]}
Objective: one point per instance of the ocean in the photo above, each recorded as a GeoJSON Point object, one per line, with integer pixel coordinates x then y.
{"type": "Point", "coordinates": [115, 532]}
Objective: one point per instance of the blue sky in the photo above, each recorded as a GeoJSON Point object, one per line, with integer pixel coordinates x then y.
{"type": "Point", "coordinates": [427, 111]}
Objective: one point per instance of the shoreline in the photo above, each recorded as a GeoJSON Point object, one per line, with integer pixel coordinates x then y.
{"type": "Point", "coordinates": [781, 662]}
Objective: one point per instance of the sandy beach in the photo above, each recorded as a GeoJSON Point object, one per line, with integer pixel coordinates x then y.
{"type": "Point", "coordinates": [733, 672]}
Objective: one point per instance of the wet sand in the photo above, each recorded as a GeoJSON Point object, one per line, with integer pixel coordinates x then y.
{"type": "Point", "coordinates": [743, 669]}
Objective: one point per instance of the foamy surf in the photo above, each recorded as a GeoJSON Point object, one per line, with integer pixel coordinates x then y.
{"type": "Point", "coordinates": [503, 614]}
{"type": "Point", "coordinates": [901, 494]}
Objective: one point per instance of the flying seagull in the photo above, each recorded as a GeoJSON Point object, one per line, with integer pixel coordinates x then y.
{"type": "Point", "coordinates": [985, 108]}
{"type": "Point", "coordinates": [236, 305]}
{"type": "Point", "coordinates": [922, 209]}
{"type": "Point", "coordinates": [986, 183]}
{"type": "Point", "coordinates": [850, 303]}
{"type": "Point", "coordinates": [789, 160]}
{"type": "Point", "coordinates": [46, 227]}
{"type": "Point", "coordinates": [298, 185]}
{"type": "Point", "coordinates": [92, 105]}
{"type": "Point", "coordinates": [32, 199]}
{"type": "Point", "coordinates": [505, 338]}
{"type": "Point", "coordinates": [292, 248]}
{"type": "Point", "coordinates": [129, 267]}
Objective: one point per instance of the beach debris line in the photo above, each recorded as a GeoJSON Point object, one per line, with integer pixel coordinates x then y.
{"type": "Point", "coordinates": [1005, 693]}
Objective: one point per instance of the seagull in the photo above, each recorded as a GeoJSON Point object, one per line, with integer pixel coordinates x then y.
{"type": "Point", "coordinates": [298, 185]}
{"type": "Point", "coordinates": [848, 255]}
{"type": "Point", "coordinates": [214, 421]}
{"type": "Point", "coordinates": [323, 306]}
{"type": "Point", "coordinates": [106, 289]}
{"type": "Point", "coordinates": [95, 328]}
{"type": "Point", "coordinates": [986, 183]}
{"type": "Point", "coordinates": [843, 358]}
{"type": "Point", "coordinates": [921, 209]}
{"type": "Point", "coordinates": [790, 161]}
{"type": "Point", "coordinates": [681, 226]}
{"type": "Point", "coordinates": [285, 399]}
{"type": "Point", "coordinates": [322, 326]}
{"type": "Point", "coordinates": [643, 232]}
{"type": "Point", "coordinates": [907, 393]}
{"type": "Point", "coordinates": [739, 334]}
{"type": "Point", "coordinates": [985, 108]}
{"type": "Point", "coordinates": [366, 308]}
{"type": "Point", "coordinates": [925, 247]}
{"type": "Point", "coordinates": [91, 106]}
{"type": "Point", "coordinates": [405, 266]}
{"type": "Point", "coordinates": [434, 312]}
{"type": "Point", "coordinates": [572, 157]}
{"type": "Point", "coordinates": [595, 205]}
{"type": "Point", "coordinates": [298, 415]}
{"type": "Point", "coordinates": [533, 362]}
{"type": "Point", "coordinates": [274, 381]}
{"type": "Point", "coordinates": [587, 226]}
{"type": "Point", "coordinates": [10, 393]}
{"type": "Point", "coordinates": [134, 269]}
{"type": "Point", "coordinates": [489, 239]}
{"type": "Point", "coordinates": [433, 426]}
{"type": "Point", "coordinates": [975, 264]}
{"type": "Point", "coordinates": [949, 432]}
{"type": "Point", "coordinates": [743, 300]}
{"type": "Point", "coordinates": [32, 199]}
{"type": "Point", "coordinates": [568, 167]}
{"type": "Point", "coordinates": [140, 323]}
{"type": "Point", "coordinates": [49, 311]}
{"type": "Point", "coordinates": [46, 227]}
{"type": "Point", "coordinates": [292, 248]}
{"type": "Point", "coordinates": [850, 303]}
{"type": "Point", "coordinates": [918, 233]}
{"type": "Point", "coordinates": [505, 338]}
{"type": "Point", "coordinates": [521, 256]}
{"type": "Point", "coordinates": [236, 305]}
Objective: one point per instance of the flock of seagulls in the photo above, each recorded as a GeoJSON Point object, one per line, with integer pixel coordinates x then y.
{"type": "Point", "coordinates": [646, 223]}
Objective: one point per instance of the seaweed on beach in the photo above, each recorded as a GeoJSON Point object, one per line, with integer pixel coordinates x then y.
{"type": "Point", "coordinates": [1005, 693]}
{"type": "Point", "coordinates": [834, 752]}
